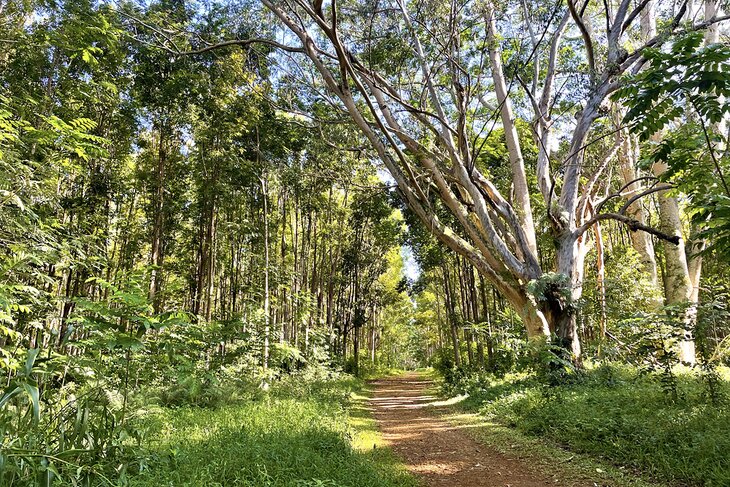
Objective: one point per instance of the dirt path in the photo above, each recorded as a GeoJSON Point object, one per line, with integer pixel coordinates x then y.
{"type": "Point", "coordinates": [440, 453]}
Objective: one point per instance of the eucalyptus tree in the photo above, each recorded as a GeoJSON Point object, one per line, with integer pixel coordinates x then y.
{"type": "Point", "coordinates": [422, 81]}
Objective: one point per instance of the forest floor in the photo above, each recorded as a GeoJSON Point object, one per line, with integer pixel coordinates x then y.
{"type": "Point", "coordinates": [444, 448]}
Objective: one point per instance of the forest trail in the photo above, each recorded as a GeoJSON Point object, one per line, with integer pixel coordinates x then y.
{"type": "Point", "coordinates": [443, 454]}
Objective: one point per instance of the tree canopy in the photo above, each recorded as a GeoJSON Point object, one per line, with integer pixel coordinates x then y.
{"type": "Point", "coordinates": [199, 200]}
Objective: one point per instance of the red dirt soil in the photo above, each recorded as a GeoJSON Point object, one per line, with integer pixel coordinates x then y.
{"type": "Point", "coordinates": [442, 454]}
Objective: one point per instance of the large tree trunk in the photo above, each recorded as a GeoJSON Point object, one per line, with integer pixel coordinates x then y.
{"type": "Point", "coordinates": [677, 282]}
{"type": "Point", "coordinates": [561, 308]}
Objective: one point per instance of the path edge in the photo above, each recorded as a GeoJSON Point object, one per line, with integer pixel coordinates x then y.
{"type": "Point", "coordinates": [581, 468]}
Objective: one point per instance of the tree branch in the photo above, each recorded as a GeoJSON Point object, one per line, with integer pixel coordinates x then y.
{"type": "Point", "coordinates": [633, 225]}
{"type": "Point", "coordinates": [586, 36]}
{"type": "Point", "coordinates": [236, 42]}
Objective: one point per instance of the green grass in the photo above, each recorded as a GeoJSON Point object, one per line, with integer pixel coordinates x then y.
{"type": "Point", "coordinates": [369, 443]}
{"type": "Point", "coordinates": [618, 415]}
{"type": "Point", "coordinates": [297, 435]}
{"type": "Point", "coordinates": [567, 468]}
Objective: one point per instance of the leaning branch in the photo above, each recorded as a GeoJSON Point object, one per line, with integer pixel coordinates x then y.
{"type": "Point", "coordinates": [633, 225]}
{"type": "Point", "coordinates": [236, 42]}
{"type": "Point", "coordinates": [586, 36]}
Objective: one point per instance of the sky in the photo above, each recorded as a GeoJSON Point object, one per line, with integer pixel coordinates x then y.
{"type": "Point", "coordinates": [410, 267]}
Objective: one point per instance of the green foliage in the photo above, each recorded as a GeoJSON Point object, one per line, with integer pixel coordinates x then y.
{"type": "Point", "coordinates": [552, 287]}
{"type": "Point", "coordinates": [76, 435]}
{"type": "Point", "coordinates": [712, 348]}
{"type": "Point", "coordinates": [65, 417]}
{"type": "Point", "coordinates": [626, 289]}
{"type": "Point", "coordinates": [622, 415]}
{"type": "Point", "coordinates": [684, 88]}
{"type": "Point", "coordinates": [124, 317]}
{"type": "Point", "coordinates": [550, 363]}
{"type": "Point", "coordinates": [295, 435]}
{"type": "Point", "coordinates": [653, 340]}
{"type": "Point", "coordinates": [687, 71]}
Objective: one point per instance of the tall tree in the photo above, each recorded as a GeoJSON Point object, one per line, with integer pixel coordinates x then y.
{"type": "Point", "coordinates": [422, 126]}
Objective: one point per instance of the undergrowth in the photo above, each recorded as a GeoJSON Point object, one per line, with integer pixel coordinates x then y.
{"type": "Point", "coordinates": [305, 429]}
{"type": "Point", "coordinates": [296, 435]}
{"type": "Point", "coordinates": [617, 413]}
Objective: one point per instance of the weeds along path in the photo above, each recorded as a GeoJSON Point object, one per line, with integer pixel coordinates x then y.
{"type": "Point", "coordinates": [438, 452]}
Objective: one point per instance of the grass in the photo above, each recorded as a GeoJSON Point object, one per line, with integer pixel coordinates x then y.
{"type": "Point", "coordinates": [368, 442]}
{"type": "Point", "coordinates": [298, 435]}
{"type": "Point", "coordinates": [619, 416]}
{"type": "Point", "coordinates": [566, 467]}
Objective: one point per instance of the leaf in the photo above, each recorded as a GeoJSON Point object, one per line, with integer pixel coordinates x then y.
{"type": "Point", "coordinates": [32, 354]}
{"type": "Point", "coordinates": [9, 395]}
{"type": "Point", "coordinates": [127, 343]}
{"type": "Point", "coordinates": [34, 395]}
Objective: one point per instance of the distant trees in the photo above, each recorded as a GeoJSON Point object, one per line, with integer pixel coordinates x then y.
{"type": "Point", "coordinates": [119, 159]}
{"type": "Point", "coordinates": [425, 84]}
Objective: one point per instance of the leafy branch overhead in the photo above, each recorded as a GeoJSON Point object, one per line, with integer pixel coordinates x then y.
{"type": "Point", "coordinates": [690, 78]}
{"type": "Point", "coordinates": [689, 75]}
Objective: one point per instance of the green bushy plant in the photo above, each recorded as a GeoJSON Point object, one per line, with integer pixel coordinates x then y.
{"type": "Point", "coordinates": [551, 364]}
{"type": "Point", "coordinates": [621, 413]}
{"type": "Point", "coordinates": [72, 434]}
{"type": "Point", "coordinates": [654, 339]}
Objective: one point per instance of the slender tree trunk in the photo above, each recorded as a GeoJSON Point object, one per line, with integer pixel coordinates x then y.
{"type": "Point", "coordinates": [450, 318]}
{"type": "Point", "coordinates": [600, 278]}
{"type": "Point", "coordinates": [267, 330]}
{"type": "Point", "coordinates": [156, 256]}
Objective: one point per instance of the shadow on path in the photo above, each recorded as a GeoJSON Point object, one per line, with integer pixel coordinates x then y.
{"type": "Point", "coordinates": [438, 452]}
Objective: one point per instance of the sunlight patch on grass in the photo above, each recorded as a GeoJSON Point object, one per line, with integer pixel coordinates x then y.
{"type": "Point", "coordinates": [616, 414]}
{"type": "Point", "coordinates": [312, 435]}
{"type": "Point", "coordinates": [450, 401]}
{"type": "Point", "coordinates": [365, 433]}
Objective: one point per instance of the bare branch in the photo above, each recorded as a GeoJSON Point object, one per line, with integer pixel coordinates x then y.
{"type": "Point", "coordinates": [630, 18]}
{"type": "Point", "coordinates": [620, 192]}
{"type": "Point", "coordinates": [239, 43]}
{"type": "Point", "coordinates": [586, 36]}
{"type": "Point", "coordinates": [633, 225]}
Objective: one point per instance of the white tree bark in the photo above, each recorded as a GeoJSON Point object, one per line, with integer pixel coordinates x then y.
{"type": "Point", "coordinates": [640, 241]}
{"type": "Point", "coordinates": [517, 162]}
{"type": "Point", "coordinates": [677, 282]}
{"type": "Point", "coordinates": [421, 124]}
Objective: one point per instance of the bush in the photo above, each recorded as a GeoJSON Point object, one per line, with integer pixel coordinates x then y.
{"type": "Point", "coordinates": [621, 414]}
{"type": "Point", "coordinates": [79, 435]}
{"type": "Point", "coordinates": [295, 435]}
